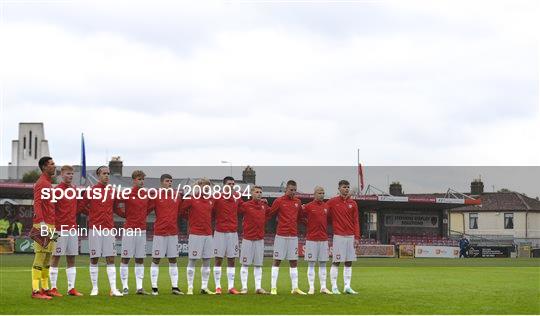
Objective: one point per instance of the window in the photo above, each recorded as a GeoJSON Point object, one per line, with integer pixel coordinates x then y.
{"type": "Point", "coordinates": [508, 220]}
{"type": "Point", "coordinates": [372, 221]}
{"type": "Point", "coordinates": [473, 220]}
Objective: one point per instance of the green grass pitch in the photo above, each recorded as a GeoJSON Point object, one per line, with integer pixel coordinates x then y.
{"type": "Point", "coordinates": [386, 286]}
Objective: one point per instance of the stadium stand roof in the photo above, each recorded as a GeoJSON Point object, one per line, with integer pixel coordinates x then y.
{"type": "Point", "coordinates": [437, 200]}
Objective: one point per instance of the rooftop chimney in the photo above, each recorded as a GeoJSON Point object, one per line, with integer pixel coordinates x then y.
{"type": "Point", "coordinates": [395, 189]}
{"type": "Point", "coordinates": [115, 166]}
{"type": "Point", "coordinates": [248, 175]}
{"type": "Point", "coordinates": [477, 187]}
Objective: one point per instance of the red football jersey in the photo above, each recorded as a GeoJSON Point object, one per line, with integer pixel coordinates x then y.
{"type": "Point", "coordinates": [256, 213]}
{"type": "Point", "coordinates": [43, 208]}
{"type": "Point", "coordinates": [315, 214]}
{"type": "Point", "coordinates": [167, 209]}
{"type": "Point", "coordinates": [288, 210]}
{"type": "Point", "coordinates": [199, 213]}
{"type": "Point", "coordinates": [136, 209]}
{"type": "Point", "coordinates": [226, 214]}
{"type": "Point", "coordinates": [344, 216]}
{"type": "Point", "coordinates": [100, 213]}
{"type": "Point", "coordinates": [66, 209]}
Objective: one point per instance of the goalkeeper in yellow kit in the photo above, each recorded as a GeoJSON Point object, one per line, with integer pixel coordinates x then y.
{"type": "Point", "coordinates": [43, 239]}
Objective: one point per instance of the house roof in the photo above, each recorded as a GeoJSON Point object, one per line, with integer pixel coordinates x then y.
{"type": "Point", "coordinates": [503, 201]}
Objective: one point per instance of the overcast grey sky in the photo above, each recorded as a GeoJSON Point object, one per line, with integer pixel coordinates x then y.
{"type": "Point", "coordinates": [275, 83]}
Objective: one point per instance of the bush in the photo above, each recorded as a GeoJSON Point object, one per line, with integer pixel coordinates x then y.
{"type": "Point", "coordinates": [31, 176]}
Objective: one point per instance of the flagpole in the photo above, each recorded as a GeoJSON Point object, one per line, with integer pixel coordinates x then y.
{"type": "Point", "coordinates": [358, 170]}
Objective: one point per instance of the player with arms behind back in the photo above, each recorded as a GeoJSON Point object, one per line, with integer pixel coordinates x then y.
{"type": "Point", "coordinates": [165, 242]}
{"type": "Point", "coordinates": [199, 209]}
{"type": "Point", "coordinates": [67, 244]}
{"type": "Point", "coordinates": [346, 225]}
{"type": "Point", "coordinates": [256, 213]}
{"type": "Point", "coordinates": [288, 208]}
{"type": "Point", "coordinates": [44, 218]}
{"type": "Point", "coordinates": [226, 234]}
{"type": "Point", "coordinates": [315, 214]}
{"type": "Point", "coordinates": [100, 213]}
{"type": "Point", "coordinates": [136, 209]}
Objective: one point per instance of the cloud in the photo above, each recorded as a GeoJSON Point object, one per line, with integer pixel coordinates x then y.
{"type": "Point", "coordinates": [276, 83]}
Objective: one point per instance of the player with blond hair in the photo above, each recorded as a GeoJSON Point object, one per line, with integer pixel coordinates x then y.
{"type": "Point", "coordinates": [315, 215]}
{"type": "Point", "coordinates": [67, 243]}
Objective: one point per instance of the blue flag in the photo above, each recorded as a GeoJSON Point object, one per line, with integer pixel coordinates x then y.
{"type": "Point", "coordinates": [83, 160]}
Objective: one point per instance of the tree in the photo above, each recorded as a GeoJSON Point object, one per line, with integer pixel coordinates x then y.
{"type": "Point", "coordinates": [31, 176]}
